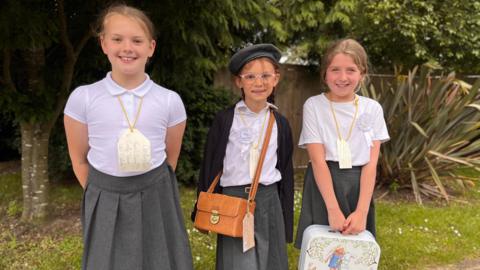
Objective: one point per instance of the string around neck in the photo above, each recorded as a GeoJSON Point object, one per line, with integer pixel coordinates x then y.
{"type": "Point", "coordinates": [339, 134]}
{"type": "Point", "coordinates": [130, 125]}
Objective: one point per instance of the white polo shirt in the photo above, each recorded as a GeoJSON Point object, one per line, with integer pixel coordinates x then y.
{"type": "Point", "coordinates": [319, 126]}
{"type": "Point", "coordinates": [97, 106]}
{"type": "Point", "coordinates": [236, 169]}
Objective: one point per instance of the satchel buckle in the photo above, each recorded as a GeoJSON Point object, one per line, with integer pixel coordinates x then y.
{"type": "Point", "coordinates": [247, 189]}
{"type": "Point", "coordinates": [214, 218]}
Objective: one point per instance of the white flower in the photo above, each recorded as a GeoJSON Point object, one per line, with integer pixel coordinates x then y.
{"type": "Point", "coordinates": [365, 122]}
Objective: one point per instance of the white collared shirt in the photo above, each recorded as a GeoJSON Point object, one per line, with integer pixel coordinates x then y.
{"type": "Point", "coordinates": [97, 106]}
{"type": "Point", "coordinates": [319, 126]}
{"type": "Point", "coordinates": [236, 170]}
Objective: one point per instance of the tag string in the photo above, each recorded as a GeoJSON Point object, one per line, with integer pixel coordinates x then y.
{"type": "Point", "coordinates": [126, 115]}
{"type": "Point", "coordinates": [355, 102]}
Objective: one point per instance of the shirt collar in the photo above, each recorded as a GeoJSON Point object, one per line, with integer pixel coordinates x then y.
{"type": "Point", "coordinates": [115, 90]}
{"type": "Point", "coordinates": [242, 106]}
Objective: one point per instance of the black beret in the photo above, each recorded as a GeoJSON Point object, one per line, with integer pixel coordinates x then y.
{"type": "Point", "coordinates": [247, 54]}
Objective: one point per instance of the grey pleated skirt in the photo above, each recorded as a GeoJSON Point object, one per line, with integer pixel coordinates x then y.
{"type": "Point", "coordinates": [134, 223]}
{"type": "Point", "coordinates": [346, 185]}
{"type": "Point", "coordinates": [270, 251]}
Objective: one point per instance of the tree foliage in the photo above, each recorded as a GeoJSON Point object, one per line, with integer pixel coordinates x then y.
{"type": "Point", "coordinates": [33, 54]}
{"type": "Point", "coordinates": [396, 33]}
{"type": "Point", "coordinates": [407, 33]}
{"type": "Point", "coordinates": [39, 52]}
{"type": "Point", "coordinates": [311, 25]}
{"type": "Point", "coordinates": [195, 38]}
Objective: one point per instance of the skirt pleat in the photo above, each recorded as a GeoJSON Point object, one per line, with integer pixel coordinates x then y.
{"type": "Point", "coordinates": [150, 243]}
{"type": "Point", "coordinates": [346, 185]}
{"type": "Point", "coordinates": [128, 219]}
{"type": "Point", "coordinates": [270, 251]}
{"type": "Point", "coordinates": [89, 203]}
{"type": "Point", "coordinates": [134, 223]}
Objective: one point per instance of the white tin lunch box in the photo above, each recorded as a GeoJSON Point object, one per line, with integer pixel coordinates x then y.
{"type": "Point", "coordinates": [324, 249]}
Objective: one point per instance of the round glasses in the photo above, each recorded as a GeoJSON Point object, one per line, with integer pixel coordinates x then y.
{"type": "Point", "coordinates": [252, 77]}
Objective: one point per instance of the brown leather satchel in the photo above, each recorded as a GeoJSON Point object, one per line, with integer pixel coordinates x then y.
{"type": "Point", "coordinates": [224, 214]}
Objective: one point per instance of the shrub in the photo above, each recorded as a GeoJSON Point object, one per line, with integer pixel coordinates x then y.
{"type": "Point", "coordinates": [434, 128]}
{"type": "Point", "coordinates": [9, 138]}
{"type": "Point", "coordinates": [59, 164]}
{"type": "Point", "coordinates": [201, 106]}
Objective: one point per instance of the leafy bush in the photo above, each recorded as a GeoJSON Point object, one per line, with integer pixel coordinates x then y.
{"type": "Point", "coordinates": [434, 125]}
{"type": "Point", "coordinates": [9, 138]}
{"type": "Point", "coordinates": [59, 164]}
{"type": "Point", "coordinates": [201, 106]}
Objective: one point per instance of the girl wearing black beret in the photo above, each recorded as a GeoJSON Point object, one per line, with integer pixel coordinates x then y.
{"type": "Point", "coordinates": [233, 145]}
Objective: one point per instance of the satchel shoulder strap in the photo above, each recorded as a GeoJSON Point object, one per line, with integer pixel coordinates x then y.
{"type": "Point", "coordinates": [214, 183]}
{"type": "Point", "coordinates": [258, 172]}
{"type": "Point", "coordinates": [256, 178]}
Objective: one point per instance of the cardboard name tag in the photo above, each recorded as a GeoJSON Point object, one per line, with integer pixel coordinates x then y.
{"type": "Point", "coordinates": [134, 152]}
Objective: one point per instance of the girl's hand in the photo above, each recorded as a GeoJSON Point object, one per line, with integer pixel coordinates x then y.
{"type": "Point", "coordinates": [336, 219]}
{"type": "Point", "coordinates": [356, 222]}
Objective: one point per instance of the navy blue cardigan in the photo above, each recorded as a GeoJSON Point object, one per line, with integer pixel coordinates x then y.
{"type": "Point", "coordinates": [214, 155]}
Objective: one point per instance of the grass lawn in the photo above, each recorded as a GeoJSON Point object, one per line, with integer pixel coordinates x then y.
{"type": "Point", "coordinates": [411, 236]}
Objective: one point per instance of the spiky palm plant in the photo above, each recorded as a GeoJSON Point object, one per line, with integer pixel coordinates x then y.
{"type": "Point", "coordinates": [434, 125]}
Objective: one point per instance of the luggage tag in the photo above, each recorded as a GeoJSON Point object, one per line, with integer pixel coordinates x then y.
{"type": "Point", "coordinates": [253, 162]}
{"type": "Point", "coordinates": [343, 149]}
{"type": "Point", "coordinates": [248, 231]}
{"type": "Point", "coordinates": [133, 148]}
{"type": "Point", "coordinates": [134, 151]}
{"type": "Point", "coordinates": [248, 235]}
{"type": "Point", "coordinates": [247, 136]}
{"type": "Point", "coordinates": [344, 154]}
